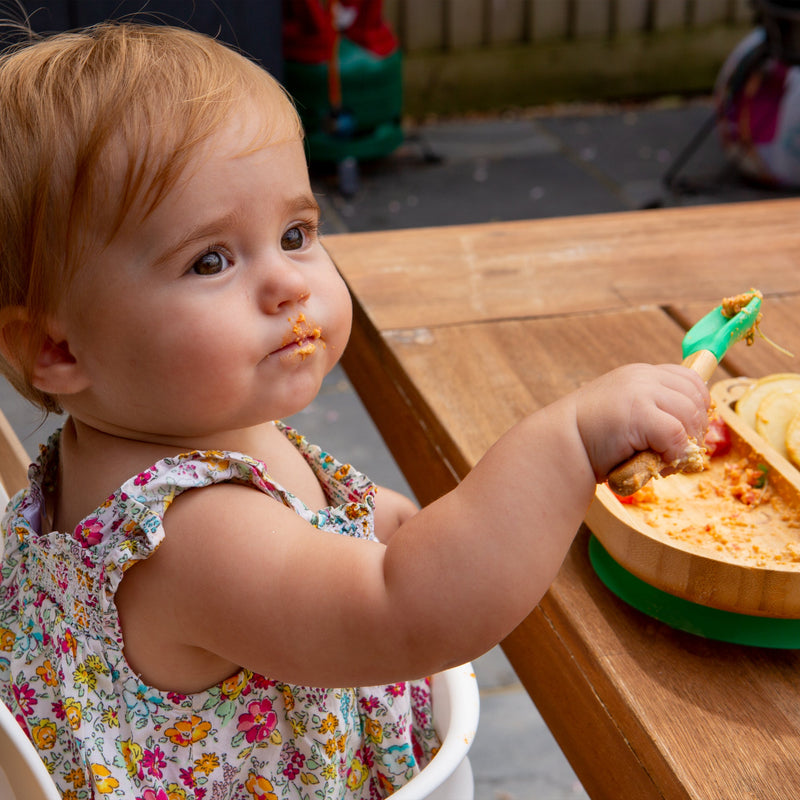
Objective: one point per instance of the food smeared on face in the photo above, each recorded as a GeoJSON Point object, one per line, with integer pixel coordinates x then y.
{"type": "Point", "coordinates": [304, 335]}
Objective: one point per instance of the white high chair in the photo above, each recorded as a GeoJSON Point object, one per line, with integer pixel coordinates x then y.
{"type": "Point", "coordinates": [456, 703]}
{"type": "Point", "coordinates": [456, 708]}
{"type": "Point", "coordinates": [23, 775]}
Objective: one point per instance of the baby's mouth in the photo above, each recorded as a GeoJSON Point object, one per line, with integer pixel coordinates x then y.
{"type": "Point", "coordinates": [301, 342]}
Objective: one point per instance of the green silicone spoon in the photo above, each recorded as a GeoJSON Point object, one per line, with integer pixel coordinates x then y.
{"type": "Point", "coordinates": [714, 334]}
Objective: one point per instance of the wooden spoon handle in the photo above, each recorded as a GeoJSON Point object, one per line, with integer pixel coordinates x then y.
{"type": "Point", "coordinates": [629, 476]}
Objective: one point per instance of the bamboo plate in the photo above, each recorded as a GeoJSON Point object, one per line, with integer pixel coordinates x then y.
{"type": "Point", "coordinates": [696, 573]}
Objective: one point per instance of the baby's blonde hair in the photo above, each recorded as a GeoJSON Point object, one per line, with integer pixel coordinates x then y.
{"type": "Point", "coordinates": [70, 106]}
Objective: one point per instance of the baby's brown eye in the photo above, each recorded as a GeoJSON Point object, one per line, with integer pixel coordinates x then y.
{"type": "Point", "coordinates": [210, 263]}
{"type": "Point", "coordinates": [293, 239]}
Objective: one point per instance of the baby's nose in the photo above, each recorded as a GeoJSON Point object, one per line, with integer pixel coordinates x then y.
{"type": "Point", "coordinates": [282, 286]}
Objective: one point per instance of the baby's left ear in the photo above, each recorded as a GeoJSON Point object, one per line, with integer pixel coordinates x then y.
{"type": "Point", "coordinates": [54, 368]}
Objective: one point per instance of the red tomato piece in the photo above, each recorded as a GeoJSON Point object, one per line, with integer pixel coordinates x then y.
{"type": "Point", "coordinates": [718, 438]}
{"type": "Point", "coordinates": [626, 500]}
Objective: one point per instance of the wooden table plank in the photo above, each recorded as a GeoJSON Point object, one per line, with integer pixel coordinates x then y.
{"type": "Point", "coordinates": [439, 276]}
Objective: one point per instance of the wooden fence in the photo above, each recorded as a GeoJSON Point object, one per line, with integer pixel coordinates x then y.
{"type": "Point", "coordinates": [466, 55]}
{"type": "Point", "coordinates": [453, 24]}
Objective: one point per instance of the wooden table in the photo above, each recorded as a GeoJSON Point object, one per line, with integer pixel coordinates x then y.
{"type": "Point", "coordinates": [460, 331]}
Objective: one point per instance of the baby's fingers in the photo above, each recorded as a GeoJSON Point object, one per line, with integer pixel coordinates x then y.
{"type": "Point", "coordinates": [685, 397]}
{"type": "Point", "coordinates": [674, 439]}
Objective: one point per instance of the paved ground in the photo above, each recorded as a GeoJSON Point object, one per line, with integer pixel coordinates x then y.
{"type": "Point", "coordinates": [574, 161]}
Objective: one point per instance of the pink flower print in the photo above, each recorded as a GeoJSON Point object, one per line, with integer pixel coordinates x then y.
{"type": "Point", "coordinates": [260, 722]}
{"type": "Point", "coordinates": [396, 689]}
{"type": "Point", "coordinates": [417, 749]}
{"type": "Point", "coordinates": [67, 643]}
{"type": "Point", "coordinates": [367, 756]}
{"type": "Point", "coordinates": [368, 703]}
{"type": "Point", "coordinates": [143, 477]}
{"type": "Point", "coordinates": [154, 762]}
{"type": "Point", "coordinates": [23, 723]}
{"type": "Point", "coordinates": [263, 483]}
{"type": "Point", "coordinates": [152, 794]}
{"type": "Point", "coordinates": [25, 697]}
{"type": "Point", "coordinates": [419, 695]}
{"type": "Point", "coordinates": [89, 532]}
{"type": "Point", "coordinates": [260, 682]}
{"type": "Point", "coordinates": [187, 777]}
{"type": "Point", "coordinates": [294, 763]}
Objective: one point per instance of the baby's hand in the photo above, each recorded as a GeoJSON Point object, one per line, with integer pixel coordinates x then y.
{"type": "Point", "coordinates": [640, 407]}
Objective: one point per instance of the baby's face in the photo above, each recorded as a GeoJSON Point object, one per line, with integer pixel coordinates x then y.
{"type": "Point", "coordinates": [219, 310]}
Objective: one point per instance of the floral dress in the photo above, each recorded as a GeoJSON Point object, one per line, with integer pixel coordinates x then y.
{"type": "Point", "coordinates": [103, 732]}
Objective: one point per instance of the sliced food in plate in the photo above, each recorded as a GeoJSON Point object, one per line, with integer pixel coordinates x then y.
{"type": "Point", "coordinates": [748, 404]}
{"type": "Point", "coordinates": [775, 411]}
{"type": "Point", "coordinates": [793, 440]}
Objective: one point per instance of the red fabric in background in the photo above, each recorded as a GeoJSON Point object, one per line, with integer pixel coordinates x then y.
{"type": "Point", "coordinates": [309, 34]}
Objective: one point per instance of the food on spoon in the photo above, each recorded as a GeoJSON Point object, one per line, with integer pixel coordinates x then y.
{"type": "Point", "coordinates": [703, 346]}
{"type": "Point", "coordinates": [731, 306]}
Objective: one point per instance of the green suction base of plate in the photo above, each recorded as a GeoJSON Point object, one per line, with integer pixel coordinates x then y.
{"type": "Point", "coordinates": [711, 623]}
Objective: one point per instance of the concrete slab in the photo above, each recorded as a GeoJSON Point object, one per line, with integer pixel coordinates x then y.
{"type": "Point", "coordinates": [460, 140]}
{"type": "Point", "coordinates": [412, 195]}
{"type": "Point", "coordinates": [513, 757]}
{"type": "Point", "coordinates": [638, 144]}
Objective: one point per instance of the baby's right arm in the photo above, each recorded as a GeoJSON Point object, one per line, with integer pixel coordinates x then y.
{"type": "Point", "coordinates": [243, 579]}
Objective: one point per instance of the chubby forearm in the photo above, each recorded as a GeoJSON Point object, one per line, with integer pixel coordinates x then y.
{"type": "Point", "coordinates": [475, 562]}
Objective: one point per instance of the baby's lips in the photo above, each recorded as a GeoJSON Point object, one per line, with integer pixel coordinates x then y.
{"type": "Point", "coordinates": [303, 334]}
